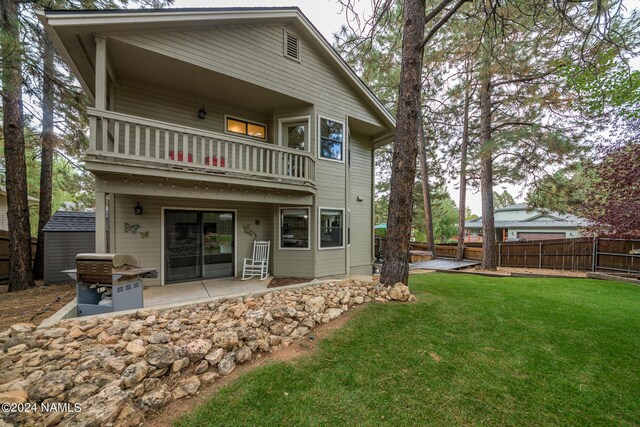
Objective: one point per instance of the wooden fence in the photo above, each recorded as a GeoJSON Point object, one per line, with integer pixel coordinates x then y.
{"type": "Point", "coordinates": [4, 254]}
{"type": "Point", "coordinates": [588, 254]}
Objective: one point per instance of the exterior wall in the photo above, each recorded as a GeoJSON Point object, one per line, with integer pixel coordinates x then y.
{"type": "Point", "coordinates": [569, 232]}
{"type": "Point", "coordinates": [157, 103]}
{"type": "Point", "coordinates": [60, 250]}
{"type": "Point", "coordinates": [4, 221]}
{"type": "Point", "coordinates": [255, 54]}
{"type": "Point", "coordinates": [149, 250]}
{"type": "Point", "coordinates": [361, 221]}
{"type": "Point", "coordinates": [294, 262]}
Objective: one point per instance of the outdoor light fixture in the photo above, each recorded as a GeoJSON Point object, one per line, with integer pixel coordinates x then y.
{"type": "Point", "coordinates": [202, 113]}
{"type": "Point", "coordinates": [137, 209]}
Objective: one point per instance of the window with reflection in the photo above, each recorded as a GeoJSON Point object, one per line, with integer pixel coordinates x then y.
{"type": "Point", "coordinates": [331, 228]}
{"type": "Point", "coordinates": [244, 127]}
{"type": "Point", "coordinates": [331, 139]}
{"type": "Point", "coordinates": [294, 228]}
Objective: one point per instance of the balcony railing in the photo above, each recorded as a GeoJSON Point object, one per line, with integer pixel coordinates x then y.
{"type": "Point", "coordinates": [126, 137]}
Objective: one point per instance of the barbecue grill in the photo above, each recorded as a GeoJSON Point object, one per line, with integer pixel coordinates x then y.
{"type": "Point", "coordinates": [108, 282]}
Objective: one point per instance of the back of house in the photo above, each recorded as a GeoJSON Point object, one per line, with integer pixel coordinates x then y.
{"type": "Point", "coordinates": [212, 128]}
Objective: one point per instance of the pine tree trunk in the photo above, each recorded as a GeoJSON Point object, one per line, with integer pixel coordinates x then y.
{"type": "Point", "coordinates": [20, 276]}
{"type": "Point", "coordinates": [46, 158]}
{"type": "Point", "coordinates": [426, 192]}
{"type": "Point", "coordinates": [462, 205]}
{"type": "Point", "coordinates": [403, 172]}
{"type": "Point", "coordinates": [489, 247]}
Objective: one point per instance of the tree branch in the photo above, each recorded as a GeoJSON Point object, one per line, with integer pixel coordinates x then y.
{"type": "Point", "coordinates": [442, 21]}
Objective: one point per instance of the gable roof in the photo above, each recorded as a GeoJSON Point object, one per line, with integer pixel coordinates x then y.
{"type": "Point", "coordinates": [72, 221]}
{"type": "Point", "coordinates": [166, 19]}
{"type": "Point", "coordinates": [540, 219]}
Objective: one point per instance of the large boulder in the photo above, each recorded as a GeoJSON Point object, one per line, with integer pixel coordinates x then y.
{"type": "Point", "coordinates": [134, 374]}
{"type": "Point", "coordinates": [400, 292]}
{"type": "Point", "coordinates": [99, 410]}
{"type": "Point", "coordinates": [51, 384]}
{"type": "Point", "coordinates": [314, 305]}
{"type": "Point", "coordinates": [186, 387]}
{"type": "Point", "coordinates": [197, 349]}
{"type": "Point", "coordinates": [159, 355]}
{"type": "Point", "coordinates": [226, 339]}
{"type": "Point", "coordinates": [227, 364]}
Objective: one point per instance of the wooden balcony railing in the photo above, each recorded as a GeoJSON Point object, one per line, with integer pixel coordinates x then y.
{"type": "Point", "coordinates": [126, 137]}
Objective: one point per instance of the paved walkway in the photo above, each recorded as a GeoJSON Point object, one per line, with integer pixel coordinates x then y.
{"type": "Point", "coordinates": [442, 264]}
{"type": "Point", "coordinates": [201, 290]}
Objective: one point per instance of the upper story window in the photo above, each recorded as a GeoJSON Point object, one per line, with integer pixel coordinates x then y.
{"type": "Point", "coordinates": [294, 132]}
{"type": "Point", "coordinates": [245, 127]}
{"type": "Point", "coordinates": [331, 139]}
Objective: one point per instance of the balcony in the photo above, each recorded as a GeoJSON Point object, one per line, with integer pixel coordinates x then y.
{"type": "Point", "coordinates": [125, 140]}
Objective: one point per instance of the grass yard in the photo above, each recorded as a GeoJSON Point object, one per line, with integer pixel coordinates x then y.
{"type": "Point", "coordinates": [473, 350]}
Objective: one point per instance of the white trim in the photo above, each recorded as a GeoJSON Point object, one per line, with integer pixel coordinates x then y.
{"type": "Point", "coordinates": [247, 121]}
{"type": "Point", "coordinates": [344, 139]}
{"type": "Point", "coordinates": [348, 228]}
{"type": "Point", "coordinates": [308, 209]}
{"type": "Point", "coordinates": [320, 208]}
{"type": "Point", "coordinates": [284, 120]}
{"type": "Point", "coordinates": [235, 235]}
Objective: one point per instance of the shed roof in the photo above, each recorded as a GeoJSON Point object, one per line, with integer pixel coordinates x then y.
{"type": "Point", "coordinates": [72, 222]}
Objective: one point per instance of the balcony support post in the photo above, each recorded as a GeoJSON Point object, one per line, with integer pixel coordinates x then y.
{"type": "Point", "coordinates": [101, 222]}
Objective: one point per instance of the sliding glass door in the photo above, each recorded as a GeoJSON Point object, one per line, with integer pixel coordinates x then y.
{"type": "Point", "coordinates": [198, 245]}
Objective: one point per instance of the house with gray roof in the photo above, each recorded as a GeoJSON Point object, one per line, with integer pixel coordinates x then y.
{"type": "Point", "coordinates": [519, 221]}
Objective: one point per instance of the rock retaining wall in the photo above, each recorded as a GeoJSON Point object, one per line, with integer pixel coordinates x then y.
{"type": "Point", "coordinates": [113, 370]}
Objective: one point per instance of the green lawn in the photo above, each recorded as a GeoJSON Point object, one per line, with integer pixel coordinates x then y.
{"type": "Point", "coordinates": [512, 352]}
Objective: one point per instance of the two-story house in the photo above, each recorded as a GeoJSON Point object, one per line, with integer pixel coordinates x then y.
{"type": "Point", "coordinates": [212, 127]}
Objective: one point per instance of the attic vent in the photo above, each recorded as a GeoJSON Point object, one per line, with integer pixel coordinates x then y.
{"type": "Point", "coordinates": [291, 46]}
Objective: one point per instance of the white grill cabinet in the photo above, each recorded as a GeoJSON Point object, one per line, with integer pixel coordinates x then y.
{"type": "Point", "coordinates": [106, 283]}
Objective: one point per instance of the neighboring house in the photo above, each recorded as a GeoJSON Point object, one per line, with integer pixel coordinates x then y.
{"type": "Point", "coordinates": [4, 222]}
{"type": "Point", "coordinates": [209, 125]}
{"type": "Point", "coordinates": [66, 235]}
{"type": "Point", "coordinates": [519, 221]}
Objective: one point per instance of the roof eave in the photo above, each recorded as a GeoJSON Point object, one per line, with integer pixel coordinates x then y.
{"type": "Point", "coordinates": [52, 18]}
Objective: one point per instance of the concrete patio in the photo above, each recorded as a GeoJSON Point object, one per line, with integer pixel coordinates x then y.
{"type": "Point", "coordinates": [155, 296]}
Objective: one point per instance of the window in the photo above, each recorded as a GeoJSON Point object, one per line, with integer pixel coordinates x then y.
{"type": "Point", "coordinates": [331, 139]}
{"type": "Point", "coordinates": [294, 133]}
{"type": "Point", "coordinates": [294, 228]}
{"type": "Point", "coordinates": [244, 127]}
{"type": "Point", "coordinates": [331, 228]}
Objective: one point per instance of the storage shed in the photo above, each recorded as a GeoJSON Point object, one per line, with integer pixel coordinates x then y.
{"type": "Point", "coordinates": [66, 235]}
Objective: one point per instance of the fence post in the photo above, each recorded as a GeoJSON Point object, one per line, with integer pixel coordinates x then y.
{"type": "Point", "coordinates": [540, 256]}
{"type": "Point", "coordinates": [594, 257]}
{"type": "Point", "coordinates": [499, 254]}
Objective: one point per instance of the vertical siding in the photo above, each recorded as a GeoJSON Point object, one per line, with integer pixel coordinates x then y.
{"type": "Point", "coordinates": [255, 54]}
{"type": "Point", "coordinates": [4, 221]}
{"type": "Point", "coordinates": [60, 250]}
{"type": "Point", "coordinates": [148, 250]}
{"type": "Point", "coordinates": [360, 186]}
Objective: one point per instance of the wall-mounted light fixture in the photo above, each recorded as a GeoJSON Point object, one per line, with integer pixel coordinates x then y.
{"type": "Point", "coordinates": [359, 199]}
{"type": "Point", "coordinates": [202, 113]}
{"type": "Point", "coordinates": [137, 209]}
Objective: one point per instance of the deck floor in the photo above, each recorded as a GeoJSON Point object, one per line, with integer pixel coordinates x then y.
{"type": "Point", "coordinates": [442, 264]}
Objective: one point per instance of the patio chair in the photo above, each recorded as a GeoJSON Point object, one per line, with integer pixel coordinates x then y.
{"type": "Point", "coordinates": [259, 264]}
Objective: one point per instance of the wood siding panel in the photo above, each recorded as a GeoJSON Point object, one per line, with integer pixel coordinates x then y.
{"type": "Point", "coordinates": [255, 54]}
{"type": "Point", "coordinates": [148, 250]}
{"type": "Point", "coordinates": [360, 186]}
{"type": "Point", "coordinates": [60, 250]}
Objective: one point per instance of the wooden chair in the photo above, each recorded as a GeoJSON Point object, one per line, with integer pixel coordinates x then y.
{"type": "Point", "coordinates": [259, 264]}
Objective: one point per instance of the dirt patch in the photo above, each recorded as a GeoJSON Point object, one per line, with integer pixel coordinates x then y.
{"type": "Point", "coordinates": [33, 305]}
{"type": "Point", "coordinates": [508, 271]}
{"type": "Point", "coordinates": [301, 347]}
{"type": "Point", "coordinates": [287, 281]}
